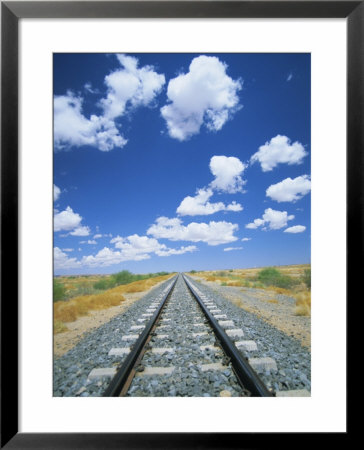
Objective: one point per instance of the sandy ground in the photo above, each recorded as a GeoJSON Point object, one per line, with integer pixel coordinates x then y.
{"type": "Point", "coordinates": [62, 342]}
{"type": "Point", "coordinates": [275, 309]}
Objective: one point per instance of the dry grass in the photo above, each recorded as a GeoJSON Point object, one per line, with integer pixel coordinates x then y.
{"type": "Point", "coordinates": [69, 311]}
{"type": "Point", "coordinates": [59, 327]}
{"type": "Point", "coordinates": [303, 303]}
{"type": "Point", "coordinates": [278, 290]}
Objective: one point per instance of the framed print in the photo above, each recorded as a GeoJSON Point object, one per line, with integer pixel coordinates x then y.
{"type": "Point", "coordinates": [178, 137]}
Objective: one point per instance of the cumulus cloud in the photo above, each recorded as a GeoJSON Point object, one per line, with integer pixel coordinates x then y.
{"type": "Point", "coordinates": [130, 86]}
{"type": "Point", "coordinates": [56, 193]}
{"type": "Point", "coordinates": [227, 171]}
{"type": "Point", "coordinates": [295, 229]}
{"type": "Point", "coordinates": [131, 248]}
{"type": "Point", "coordinates": [273, 219]}
{"type": "Point", "coordinates": [199, 205]}
{"type": "Point", "coordinates": [81, 231]}
{"type": "Point", "coordinates": [290, 190]}
{"type": "Point", "coordinates": [68, 250]}
{"type": "Point", "coordinates": [205, 95]}
{"type": "Point", "coordinates": [62, 261]}
{"type": "Point", "coordinates": [175, 251]}
{"type": "Point", "coordinates": [66, 220]}
{"type": "Point", "coordinates": [278, 151]}
{"type": "Point", "coordinates": [72, 128]}
{"type": "Point", "coordinates": [213, 233]}
{"type": "Point", "coordinates": [98, 236]}
{"type": "Point", "coordinates": [230, 249]}
{"type": "Point", "coordinates": [91, 242]}
{"type": "Point", "coordinates": [135, 246]}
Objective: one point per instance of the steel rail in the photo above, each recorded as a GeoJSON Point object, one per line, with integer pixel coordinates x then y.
{"type": "Point", "coordinates": [116, 385]}
{"type": "Point", "coordinates": [245, 374]}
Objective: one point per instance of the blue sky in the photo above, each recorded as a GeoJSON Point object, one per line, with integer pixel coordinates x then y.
{"type": "Point", "coordinates": [174, 162]}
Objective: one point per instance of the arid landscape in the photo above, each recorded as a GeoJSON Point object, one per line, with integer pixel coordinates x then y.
{"type": "Point", "coordinates": [280, 296]}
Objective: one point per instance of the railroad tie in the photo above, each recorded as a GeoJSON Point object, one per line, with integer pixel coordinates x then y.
{"type": "Point", "coordinates": [100, 373]}
{"type": "Point", "coordinates": [226, 323]}
{"type": "Point", "coordinates": [235, 333]}
{"type": "Point", "coordinates": [263, 364]}
{"type": "Point", "coordinates": [130, 337]}
{"type": "Point", "coordinates": [220, 316]}
{"type": "Point", "coordinates": [136, 327]}
{"type": "Point", "coordinates": [161, 350]}
{"type": "Point", "coordinates": [294, 393]}
{"type": "Point", "coordinates": [248, 346]}
{"type": "Point", "coordinates": [119, 351]}
{"type": "Point", "coordinates": [213, 366]}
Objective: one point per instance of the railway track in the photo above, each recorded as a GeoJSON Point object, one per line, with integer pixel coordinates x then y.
{"type": "Point", "coordinates": [183, 345]}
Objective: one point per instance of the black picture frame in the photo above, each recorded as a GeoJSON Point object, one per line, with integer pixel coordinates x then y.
{"type": "Point", "coordinates": [11, 12]}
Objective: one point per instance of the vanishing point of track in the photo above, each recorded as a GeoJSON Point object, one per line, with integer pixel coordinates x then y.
{"type": "Point", "coordinates": [183, 313]}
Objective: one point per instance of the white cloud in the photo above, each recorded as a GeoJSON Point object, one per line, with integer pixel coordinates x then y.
{"type": "Point", "coordinates": [199, 205]}
{"type": "Point", "coordinates": [130, 85]}
{"type": "Point", "coordinates": [290, 190]}
{"type": "Point", "coordinates": [213, 233]}
{"type": "Point", "coordinates": [135, 246]}
{"type": "Point", "coordinates": [174, 251]}
{"type": "Point", "coordinates": [62, 261]}
{"type": "Point", "coordinates": [81, 231]}
{"type": "Point", "coordinates": [230, 249]}
{"type": "Point", "coordinates": [72, 128]}
{"type": "Point", "coordinates": [105, 257]}
{"type": "Point", "coordinates": [98, 236]}
{"type": "Point", "coordinates": [274, 220]}
{"type": "Point", "coordinates": [68, 250]}
{"type": "Point", "coordinates": [295, 229]}
{"type": "Point", "coordinates": [66, 220]}
{"type": "Point", "coordinates": [132, 248]}
{"type": "Point", "coordinates": [91, 242]}
{"type": "Point", "coordinates": [278, 151]}
{"type": "Point", "coordinates": [56, 193]}
{"type": "Point", "coordinates": [227, 171]}
{"type": "Point", "coordinates": [246, 239]}
{"type": "Point", "coordinates": [205, 95]}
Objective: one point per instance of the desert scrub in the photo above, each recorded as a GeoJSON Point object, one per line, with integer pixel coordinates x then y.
{"type": "Point", "coordinates": [273, 277]}
{"type": "Point", "coordinates": [303, 303]}
{"type": "Point", "coordinates": [76, 307]}
{"type": "Point", "coordinates": [59, 327]}
{"type": "Point", "coordinates": [59, 291]}
{"type": "Point", "coordinates": [307, 278]}
{"type": "Point", "coordinates": [80, 306]}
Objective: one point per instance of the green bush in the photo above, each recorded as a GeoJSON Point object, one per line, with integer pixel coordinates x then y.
{"type": "Point", "coordinates": [307, 278]}
{"type": "Point", "coordinates": [103, 284]}
{"type": "Point", "coordinates": [273, 277]}
{"type": "Point", "coordinates": [59, 291]}
{"type": "Point", "coordinates": [220, 274]}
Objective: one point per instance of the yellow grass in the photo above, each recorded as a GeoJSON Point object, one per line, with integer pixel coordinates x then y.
{"type": "Point", "coordinates": [69, 311]}
{"type": "Point", "coordinates": [278, 290]}
{"type": "Point", "coordinates": [273, 300]}
{"type": "Point", "coordinates": [303, 303]}
{"type": "Point", "coordinates": [59, 327]}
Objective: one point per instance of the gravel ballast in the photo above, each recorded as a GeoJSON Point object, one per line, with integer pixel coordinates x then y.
{"type": "Point", "coordinates": [180, 335]}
